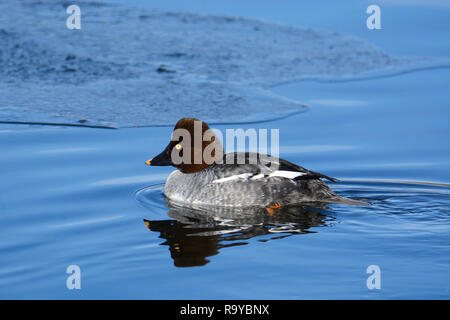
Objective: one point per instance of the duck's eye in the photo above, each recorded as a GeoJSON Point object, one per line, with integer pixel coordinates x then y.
{"type": "Point", "coordinates": [178, 146]}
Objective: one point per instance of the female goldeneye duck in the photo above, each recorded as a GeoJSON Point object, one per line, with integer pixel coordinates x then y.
{"type": "Point", "coordinates": [207, 177]}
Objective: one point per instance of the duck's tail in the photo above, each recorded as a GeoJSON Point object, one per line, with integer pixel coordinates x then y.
{"type": "Point", "coordinates": [348, 201]}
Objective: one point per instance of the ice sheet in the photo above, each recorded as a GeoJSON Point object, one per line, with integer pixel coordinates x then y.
{"type": "Point", "coordinates": [138, 67]}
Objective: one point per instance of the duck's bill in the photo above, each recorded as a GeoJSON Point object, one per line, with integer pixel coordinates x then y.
{"type": "Point", "coordinates": [161, 159]}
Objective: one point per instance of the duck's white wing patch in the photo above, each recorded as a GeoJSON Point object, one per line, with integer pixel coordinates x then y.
{"type": "Point", "coordinates": [252, 176]}
{"type": "Point", "coordinates": [287, 174]}
{"type": "Point", "coordinates": [258, 176]}
{"type": "Point", "coordinates": [235, 177]}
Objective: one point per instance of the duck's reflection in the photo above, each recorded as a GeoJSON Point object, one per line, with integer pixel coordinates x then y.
{"type": "Point", "coordinates": [194, 235]}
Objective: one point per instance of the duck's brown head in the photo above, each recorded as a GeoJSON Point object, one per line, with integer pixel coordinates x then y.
{"type": "Point", "coordinates": [193, 147]}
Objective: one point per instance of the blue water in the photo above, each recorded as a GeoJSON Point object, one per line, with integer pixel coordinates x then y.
{"type": "Point", "coordinates": [84, 196]}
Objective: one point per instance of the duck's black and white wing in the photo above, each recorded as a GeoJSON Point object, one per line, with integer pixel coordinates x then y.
{"type": "Point", "coordinates": [253, 166]}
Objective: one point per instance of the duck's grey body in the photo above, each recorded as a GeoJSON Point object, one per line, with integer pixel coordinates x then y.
{"type": "Point", "coordinates": [266, 182]}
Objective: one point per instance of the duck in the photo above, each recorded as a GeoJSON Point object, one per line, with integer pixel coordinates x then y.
{"type": "Point", "coordinates": [206, 177]}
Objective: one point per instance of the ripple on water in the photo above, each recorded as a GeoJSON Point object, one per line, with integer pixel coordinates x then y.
{"type": "Point", "coordinates": [395, 207]}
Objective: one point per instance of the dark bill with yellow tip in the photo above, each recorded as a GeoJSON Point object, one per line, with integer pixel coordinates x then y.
{"type": "Point", "coordinates": [162, 159]}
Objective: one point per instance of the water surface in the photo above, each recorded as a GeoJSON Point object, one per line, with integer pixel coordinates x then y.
{"type": "Point", "coordinates": [84, 196]}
